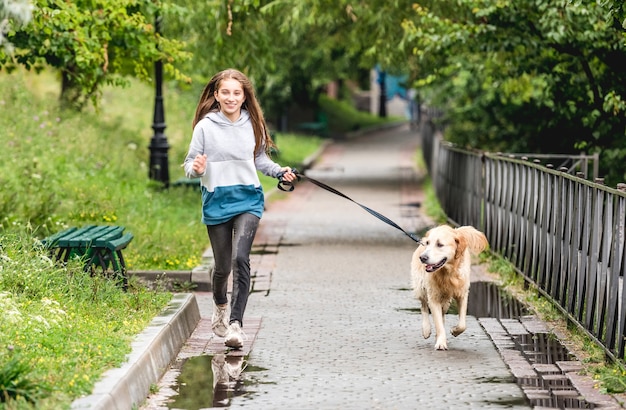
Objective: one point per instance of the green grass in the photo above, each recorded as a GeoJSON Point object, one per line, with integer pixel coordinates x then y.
{"type": "Point", "coordinates": [62, 328]}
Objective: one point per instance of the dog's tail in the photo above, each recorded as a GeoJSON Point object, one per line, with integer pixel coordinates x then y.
{"type": "Point", "coordinates": [475, 240]}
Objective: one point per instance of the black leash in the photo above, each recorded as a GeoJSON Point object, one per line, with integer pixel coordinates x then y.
{"type": "Point", "coordinates": [288, 186]}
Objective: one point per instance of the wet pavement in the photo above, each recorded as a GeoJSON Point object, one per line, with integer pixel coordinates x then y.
{"type": "Point", "coordinates": [332, 324]}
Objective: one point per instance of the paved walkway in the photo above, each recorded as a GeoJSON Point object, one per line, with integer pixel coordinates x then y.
{"type": "Point", "coordinates": [331, 323]}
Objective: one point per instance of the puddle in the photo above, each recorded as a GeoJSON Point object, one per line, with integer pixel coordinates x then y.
{"type": "Point", "coordinates": [542, 348]}
{"type": "Point", "coordinates": [550, 388]}
{"type": "Point", "coordinates": [487, 299]}
{"type": "Point", "coordinates": [210, 381]}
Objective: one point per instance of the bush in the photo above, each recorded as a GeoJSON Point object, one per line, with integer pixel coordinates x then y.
{"type": "Point", "coordinates": [343, 117]}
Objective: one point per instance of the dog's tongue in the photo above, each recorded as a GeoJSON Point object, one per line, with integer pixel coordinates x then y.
{"type": "Point", "coordinates": [433, 267]}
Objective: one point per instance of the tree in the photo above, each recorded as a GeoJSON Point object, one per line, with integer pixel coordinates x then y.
{"type": "Point", "coordinates": [282, 46]}
{"type": "Point", "coordinates": [19, 11]}
{"type": "Point", "coordinates": [511, 75]}
{"type": "Point", "coordinates": [526, 75]}
{"type": "Point", "coordinates": [92, 43]}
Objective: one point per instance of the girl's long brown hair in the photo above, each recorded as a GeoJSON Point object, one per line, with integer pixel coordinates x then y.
{"type": "Point", "coordinates": [208, 103]}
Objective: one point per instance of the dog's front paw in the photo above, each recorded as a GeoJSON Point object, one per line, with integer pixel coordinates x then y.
{"type": "Point", "coordinates": [457, 330]}
{"type": "Point", "coordinates": [441, 344]}
{"type": "Point", "coordinates": [426, 330]}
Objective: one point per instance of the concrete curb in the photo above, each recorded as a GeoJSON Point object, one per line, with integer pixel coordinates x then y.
{"type": "Point", "coordinates": [153, 350]}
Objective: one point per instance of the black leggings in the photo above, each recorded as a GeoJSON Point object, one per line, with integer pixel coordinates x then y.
{"type": "Point", "coordinates": [231, 243]}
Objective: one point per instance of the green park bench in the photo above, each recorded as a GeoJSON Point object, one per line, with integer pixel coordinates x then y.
{"type": "Point", "coordinates": [317, 127]}
{"type": "Point", "coordinates": [99, 245]}
{"type": "Point", "coordinates": [187, 183]}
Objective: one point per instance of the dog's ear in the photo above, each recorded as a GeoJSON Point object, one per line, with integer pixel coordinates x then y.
{"type": "Point", "coordinates": [461, 245]}
{"type": "Point", "coordinates": [476, 240]}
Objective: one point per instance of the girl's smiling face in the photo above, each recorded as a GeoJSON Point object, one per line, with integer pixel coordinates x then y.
{"type": "Point", "coordinates": [231, 96]}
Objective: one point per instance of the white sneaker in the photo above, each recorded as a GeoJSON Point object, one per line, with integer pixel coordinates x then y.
{"type": "Point", "coordinates": [234, 336]}
{"type": "Point", "coordinates": [234, 366]}
{"type": "Point", "coordinates": [218, 366]}
{"type": "Point", "coordinates": [219, 321]}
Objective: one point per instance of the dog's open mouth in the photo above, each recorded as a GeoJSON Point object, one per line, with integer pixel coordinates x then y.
{"type": "Point", "coordinates": [435, 266]}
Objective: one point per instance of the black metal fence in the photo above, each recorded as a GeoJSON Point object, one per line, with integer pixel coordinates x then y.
{"type": "Point", "coordinates": [564, 234]}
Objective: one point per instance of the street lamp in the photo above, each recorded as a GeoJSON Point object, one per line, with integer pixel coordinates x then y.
{"type": "Point", "coordinates": [159, 168]}
{"type": "Point", "coordinates": [382, 97]}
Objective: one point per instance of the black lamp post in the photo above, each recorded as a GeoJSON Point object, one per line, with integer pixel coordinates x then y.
{"type": "Point", "coordinates": [382, 98]}
{"type": "Point", "coordinates": [159, 168]}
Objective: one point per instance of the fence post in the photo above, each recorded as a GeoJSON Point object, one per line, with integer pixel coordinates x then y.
{"type": "Point", "coordinates": [596, 165]}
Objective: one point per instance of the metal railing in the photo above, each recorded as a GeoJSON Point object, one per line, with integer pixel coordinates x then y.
{"type": "Point", "coordinates": [564, 234]}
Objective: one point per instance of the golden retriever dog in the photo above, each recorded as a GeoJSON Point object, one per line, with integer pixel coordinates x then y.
{"type": "Point", "coordinates": [440, 272]}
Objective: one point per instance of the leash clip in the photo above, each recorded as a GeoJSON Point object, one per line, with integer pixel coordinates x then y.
{"type": "Point", "coordinates": [285, 185]}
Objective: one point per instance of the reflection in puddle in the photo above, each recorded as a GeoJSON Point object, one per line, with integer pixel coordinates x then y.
{"type": "Point", "coordinates": [209, 381]}
{"type": "Point", "coordinates": [487, 299]}
{"type": "Point", "coordinates": [542, 348]}
{"type": "Point", "coordinates": [550, 388]}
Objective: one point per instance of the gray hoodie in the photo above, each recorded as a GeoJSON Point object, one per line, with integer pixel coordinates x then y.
{"type": "Point", "coordinates": [230, 183]}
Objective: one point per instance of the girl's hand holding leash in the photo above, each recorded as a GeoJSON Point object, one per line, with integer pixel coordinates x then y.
{"type": "Point", "coordinates": [288, 174]}
{"type": "Point", "coordinates": [286, 177]}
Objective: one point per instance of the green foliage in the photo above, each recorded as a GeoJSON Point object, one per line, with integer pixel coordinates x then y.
{"type": "Point", "coordinates": [512, 76]}
{"type": "Point", "coordinates": [16, 10]}
{"type": "Point", "coordinates": [62, 327]}
{"type": "Point", "coordinates": [15, 382]}
{"type": "Point", "coordinates": [343, 117]}
{"type": "Point", "coordinates": [525, 76]}
{"type": "Point", "coordinates": [290, 49]}
{"type": "Point", "coordinates": [92, 43]}
{"type": "Point", "coordinates": [611, 379]}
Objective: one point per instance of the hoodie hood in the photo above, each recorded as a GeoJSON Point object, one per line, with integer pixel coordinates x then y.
{"type": "Point", "coordinates": [219, 118]}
